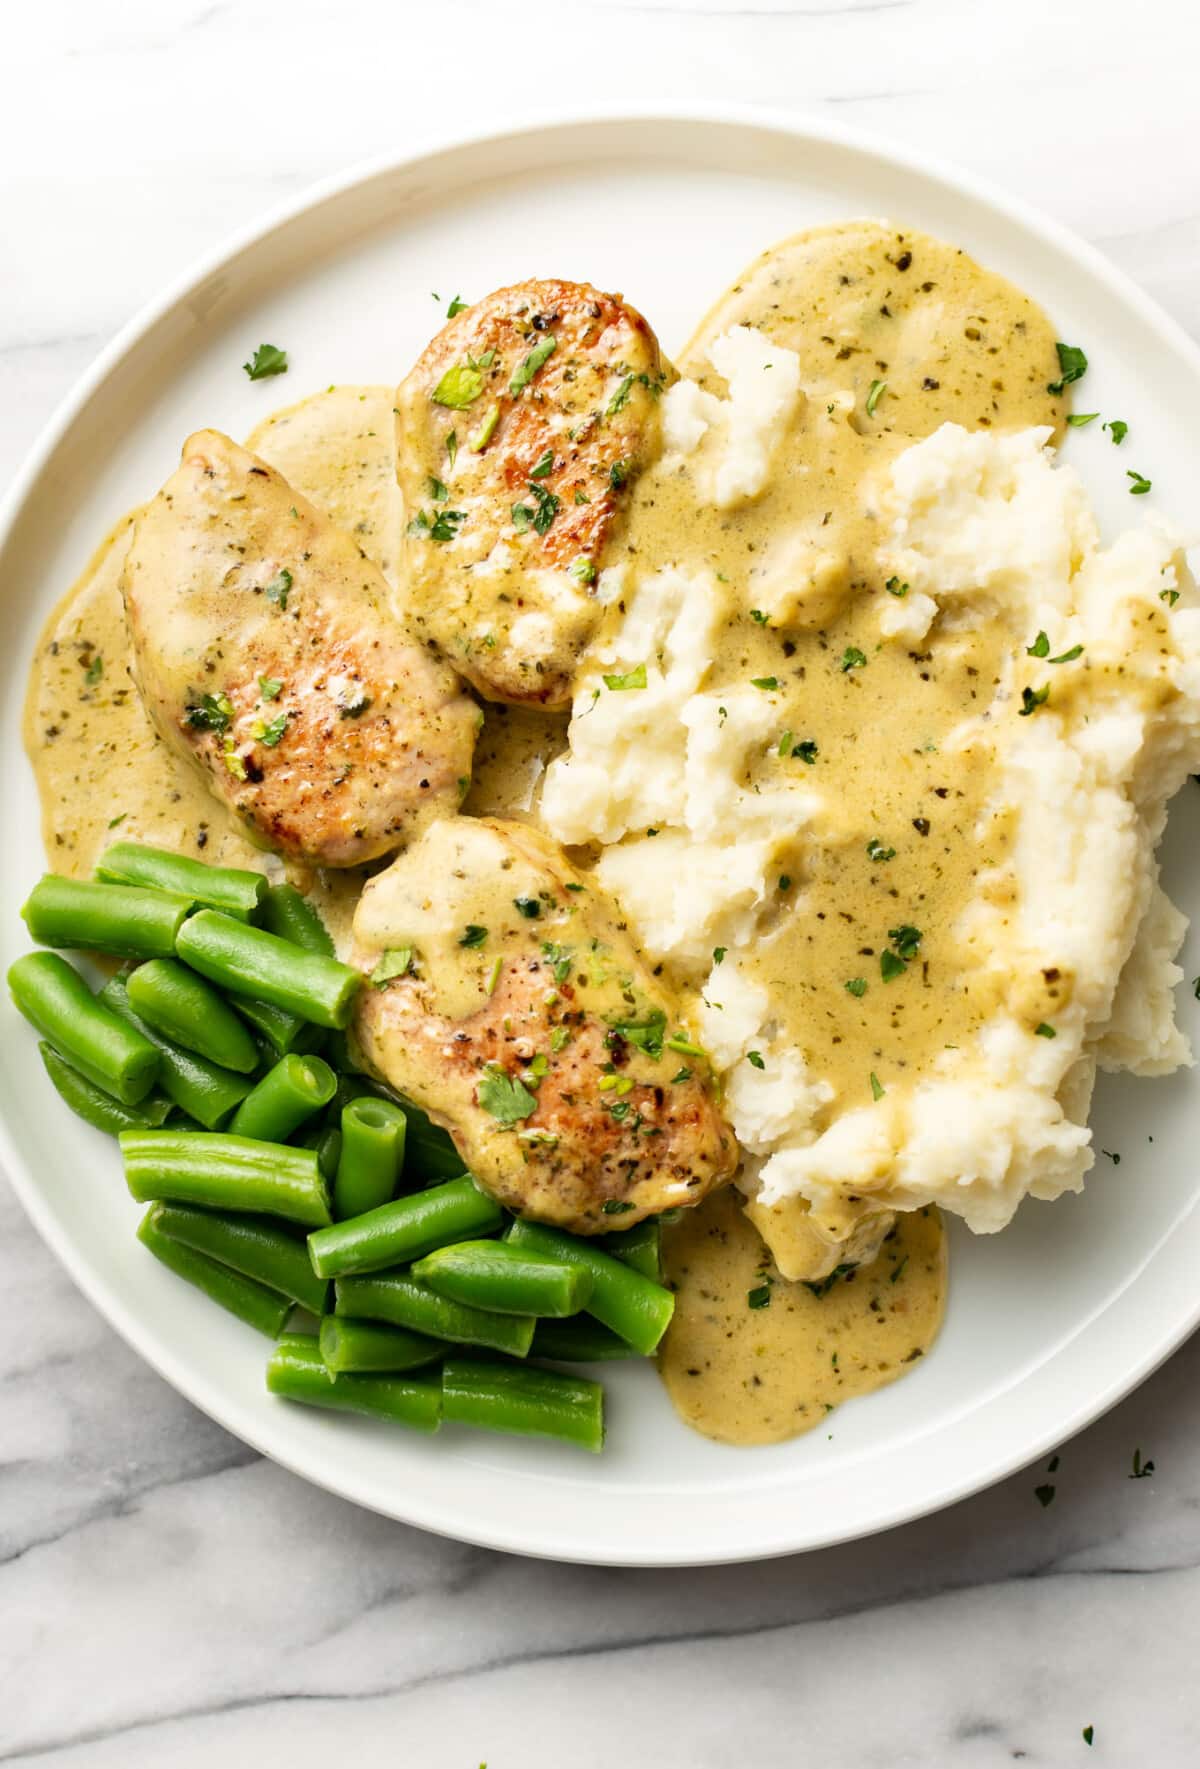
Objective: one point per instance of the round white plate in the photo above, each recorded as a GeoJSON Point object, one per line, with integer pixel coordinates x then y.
{"type": "Point", "coordinates": [1049, 1323]}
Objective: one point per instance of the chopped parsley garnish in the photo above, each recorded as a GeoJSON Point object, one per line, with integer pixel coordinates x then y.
{"type": "Point", "coordinates": [265, 362]}
{"type": "Point", "coordinates": [616, 1207]}
{"type": "Point", "coordinates": [681, 1075]}
{"type": "Point", "coordinates": [894, 587]}
{"type": "Point", "coordinates": [559, 958]}
{"type": "Point", "coordinates": [1141, 1470]}
{"type": "Point", "coordinates": [1031, 699]}
{"type": "Point", "coordinates": [1118, 429]}
{"type": "Point", "coordinates": [494, 974]}
{"type": "Point", "coordinates": [442, 528]}
{"type": "Point", "coordinates": [354, 704]}
{"type": "Point", "coordinates": [618, 473]}
{"type": "Point", "coordinates": [1072, 366]}
{"type": "Point", "coordinates": [547, 508]}
{"type": "Point", "coordinates": [452, 447]}
{"type": "Point", "coordinates": [620, 398]}
{"type": "Point", "coordinates": [474, 935]}
{"type": "Point", "coordinates": [395, 962]}
{"type": "Point", "coordinates": [822, 1286]}
{"type": "Point", "coordinates": [754, 1058]}
{"type": "Point", "coordinates": [277, 590]}
{"type": "Point", "coordinates": [437, 490]}
{"type": "Point", "coordinates": [485, 432]}
{"type": "Point", "coordinates": [875, 393]}
{"type": "Point", "coordinates": [459, 387]}
{"type": "Point", "coordinates": [807, 750]}
{"type": "Point", "coordinates": [891, 967]}
{"type": "Point", "coordinates": [1044, 1495]}
{"type": "Point", "coordinates": [1088, 1734]}
{"type": "Point", "coordinates": [504, 1096]}
{"type": "Point", "coordinates": [457, 306]}
{"type": "Point", "coordinates": [583, 571]}
{"type": "Point", "coordinates": [758, 617]}
{"type": "Point", "coordinates": [877, 851]}
{"type": "Point", "coordinates": [522, 516]}
{"type": "Point", "coordinates": [1078, 419]}
{"type": "Point", "coordinates": [212, 712]}
{"type": "Point", "coordinates": [785, 881]}
{"type": "Point", "coordinates": [877, 1088]}
{"type": "Point", "coordinates": [544, 466]}
{"type": "Point", "coordinates": [1042, 1030]}
{"type": "Point", "coordinates": [114, 821]}
{"type": "Point", "coordinates": [1170, 597]}
{"type": "Point", "coordinates": [529, 907]}
{"type": "Point", "coordinates": [269, 687]}
{"type": "Point", "coordinates": [759, 1297]}
{"type": "Point", "coordinates": [524, 373]}
{"type": "Point", "coordinates": [233, 761]}
{"type": "Point", "coordinates": [769, 683]}
{"type": "Point", "coordinates": [646, 1033]}
{"type": "Point", "coordinates": [634, 678]}
{"type": "Point", "coordinates": [1067, 656]}
{"type": "Point", "coordinates": [271, 732]}
{"type": "Point", "coordinates": [907, 941]}
{"type": "Point", "coordinates": [719, 954]}
{"type": "Point", "coordinates": [94, 671]}
{"type": "Point", "coordinates": [856, 986]}
{"type": "Point", "coordinates": [1140, 486]}
{"type": "Point", "coordinates": [853, 658]}
{"type": "Point", "coordinates": [1040, 646]}
{"type": "Point", "coordinates": [559, 1038]}
{"type": "Point", "coordinates": [682, 1043]}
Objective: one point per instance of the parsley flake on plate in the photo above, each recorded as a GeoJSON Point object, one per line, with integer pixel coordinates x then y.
{"type": "Point", "coordinates": [1072, 366]}
{"type": "Point", "coordinates": [266, 361]}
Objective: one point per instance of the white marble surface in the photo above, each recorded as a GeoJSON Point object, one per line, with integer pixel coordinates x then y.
{"type": "Point", "coordinates": [165, 1596]}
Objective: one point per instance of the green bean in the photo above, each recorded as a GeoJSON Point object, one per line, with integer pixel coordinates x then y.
{"type": "Point", "coordinates": [95, 1106]}
{"type": "Point", "coordinates": [350, 1346]}
{"type": "Point", "coordinates": [429, 1155]}
{"type": "Point", "coordinates": [106, 1051]}
{"type": "Point", "coordinates": [404, 1301]}
{"type": "Point", "coordinates": [296, 1370]}
{"type": "Point", "coordinates": [371, 1158]}
{"type": "Point", "coordinates": [327, 1140]}
{"type": "Point", "coordinates": [229, 888]}
{"type": "Point", "coordinates": [247, 961]}
{"type": "Point", "coordinates": [206, 1093]}
{"type": "Point", "coordinates": [492, 1274]}
{"type": "Point", "coordinates": [349, 1088]}
{"type": "Point", "coordinates": [279, 1032]}
{"type": "Point", "coordinates": [640, 1247]}
{"type": "Point", "coordinates": [636, 1309]}
{"type": "Point", "coordinates": [250, 1301]}
{"type": "Point", "coordinates": [578, 1342]}
{"type": "Point", "coordinates": [404, 1229]}
{"type": "Point", "coordinates": [292, 917]}
{"type": "Point", "coordinates": [173, 1000]}
{"type": "Point", "coordinates": [523, 1399]}
{"type": "Point", "coordinates": [104, 917]}
{"type": "Point", "coordinates": [340, 1056]}
{"type": "Point", "coordinates": [286, 1096]}
{"type": "Point", "coordinates": [225, 1173]}
{"type": "Point", "coordinates": [256, 1246]}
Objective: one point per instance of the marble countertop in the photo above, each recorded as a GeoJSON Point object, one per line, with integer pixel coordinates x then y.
{"type": "Point", "coordinates": [167, 1597]}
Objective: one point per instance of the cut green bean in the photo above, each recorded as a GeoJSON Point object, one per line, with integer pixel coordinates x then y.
{"type": "Point", "coordinates": [228, 888]}
{"type": "Point", "coordinates": [582, 1341]}
{"type": "Point", "coordinates": [640, 1247]}
{"type": "Point", "coordinates": [250, 1301]}
{"type": "Point", "coordinates": [521, 1398]}
{"type": "Point", "coordinates": [350, 1347]}
{"type": "Point", "coordinates": [510, 1280]}
{"type": "Point", "coordinates": [258, 1246]}
{"type": "Point", "coordinates": [249, 962]}
{"type": "Point", "coordinates": [105, 1049]}
{"type": "Point", "coordinates": [291, 916]}
{"type": "Point", "coordinates": [225, 1173]}
{"type": "Point", "coordinates": [327, 1140]}
{"type": "Point", "coordinates": [339, 1055]}
{"type": "Point", "coordinates": [296, 1370]}
{"type": "Point", "coordinates": [285, 1098]}
{"type": "Point", "coordinates": [206, 1093]}
{"type": "Point", "coordinates": [635, 1308]}
{"type": "Point", "coordinates": [429, 1154]}
{"type": "Point", "coordinates": [95, 1106]}
{"type": "Point", "coordinates": [92, 917]}
{"type": "Point", "coordinates": [404, 1301]}
{"type": "Point", "coordinates": [279, 1032]}
{"type": "Point", "coordinates": [371, 1158]}
{"type": "Point", "coordinates": [404, 1229]}
{"type": "Point", "coordinates": [174, 1001]}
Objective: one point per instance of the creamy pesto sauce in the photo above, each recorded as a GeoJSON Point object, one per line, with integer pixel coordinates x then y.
{"type": "Point", "coordinates": [759, 1374]}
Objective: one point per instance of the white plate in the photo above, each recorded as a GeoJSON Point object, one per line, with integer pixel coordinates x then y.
{"type": "Point", "coordinates": [1049, 1323]}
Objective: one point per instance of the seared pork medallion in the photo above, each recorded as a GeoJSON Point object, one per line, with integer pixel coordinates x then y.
{"type": "Point", "coordinates": [266, 654]}
{"type": "Point", "coordinates": [508, 999]}
{"type": "Point", "coordinates": [518, 435]}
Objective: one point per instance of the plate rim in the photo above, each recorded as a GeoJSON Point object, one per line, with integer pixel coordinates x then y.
{"type": "Point", "coordinates": [805, 128]}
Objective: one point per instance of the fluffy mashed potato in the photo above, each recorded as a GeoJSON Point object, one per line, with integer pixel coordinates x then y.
{"type": "Point", "coordinates": [1083, 725]}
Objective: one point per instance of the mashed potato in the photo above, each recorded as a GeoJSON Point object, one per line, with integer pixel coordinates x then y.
{"type": "Point", "coordinates": [1084, 722]}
